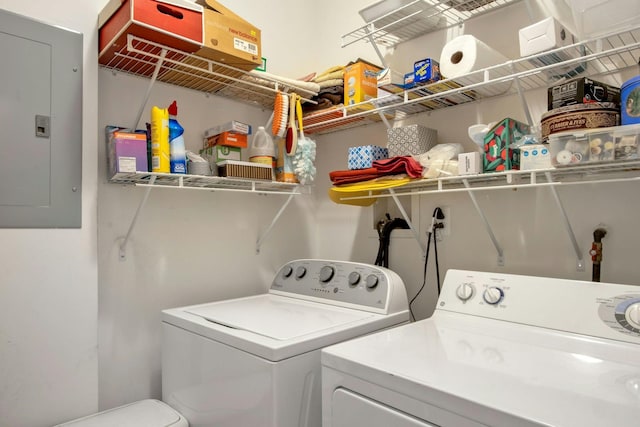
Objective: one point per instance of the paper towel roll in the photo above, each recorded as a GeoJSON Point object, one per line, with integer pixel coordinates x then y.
{"type": "Point", "coordinates": [464, 55]}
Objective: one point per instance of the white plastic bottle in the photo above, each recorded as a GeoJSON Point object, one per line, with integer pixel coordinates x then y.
{"type": "Point", "coordinates": [262, 149]}
{"type": "Point", "coordinates": [178, 155]}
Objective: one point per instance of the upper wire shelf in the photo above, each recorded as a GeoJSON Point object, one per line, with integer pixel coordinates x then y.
{"type": "Point", "coordinates": [414, 18]}
{"type": "Point", "coordinates": [139, 57]}
{"type": "Point", "coordinates": [602, 56]}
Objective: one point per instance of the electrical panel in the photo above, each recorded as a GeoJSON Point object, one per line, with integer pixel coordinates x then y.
{"type": "Point", "coordinates": [40, 124]}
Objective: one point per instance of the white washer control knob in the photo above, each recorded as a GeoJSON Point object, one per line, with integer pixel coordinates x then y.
{"type": "Point", "coordinates": [493, 295]}
{"type": "Point", "coordinates": [326, 273]}
{"type": "Point", "coordinates": [300, 272]}
{"type": "Point", "coordinates": [632, 315]}
{"type": "Point", "coordinates": [371, 281]}
{"type": "Point", "coordinates": [465, 291]}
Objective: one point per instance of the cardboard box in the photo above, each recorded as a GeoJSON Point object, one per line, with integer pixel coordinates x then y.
{"type": "Point", "coordinates": [245, 170]}
{"type": "Point", "coordinates": [230, 139]}
{"type": "Point", "coordinates": [534, 156]}
{"type": "Point", "coordinates": [499, 152]}
{"type": "Point", "coordinates": [470, 163]}
{"type": "Point", "coordinates": [174, 23]}
{"type": "Point", "coordinates": [362, 157]}
{"type": "Point", "coordinates": [219, 153]}
{"type": "Point", "coordinates": [581, 91]}
{"type": "Point", "coordinates": [360, 83]}
{"type": "Point", "coordinates": [410, 140]}
{"type": "Point", "coordinates": [228, 38]}
{"type": "Point", "coordinates": [127, 151]}
{"type": "Point", "coordinates": [426, 71]}
{"type": "Point", "coordinates": [232, 126]}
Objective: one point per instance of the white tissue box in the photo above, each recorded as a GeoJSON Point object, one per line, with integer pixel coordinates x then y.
{"type": "Point", "coordinates": [534, 156]}
{"type": "Point", "coordinates": [546, 35]}
{"type": "Point", "coordinates": [469, 163]}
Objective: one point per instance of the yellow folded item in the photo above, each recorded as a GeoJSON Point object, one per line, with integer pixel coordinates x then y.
{"type": "Point", "coordinates": [339, 68]}
{"type": "Point", "coordinates": [331, 76]}
{"type": "Point", "coordinates": [365, 188]}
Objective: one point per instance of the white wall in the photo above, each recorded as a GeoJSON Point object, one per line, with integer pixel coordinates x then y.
{"type": "Point", "coordinates": [191, 246]}
{"type": "Point", "coordinates": [49, 284]}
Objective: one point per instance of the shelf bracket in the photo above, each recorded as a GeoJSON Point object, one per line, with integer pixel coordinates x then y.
{"type": "Point", "coordinates": [580, 262]}
{"type": "Point", "coordinates": [153, 79]}
{"type": "Point", "coordinates": [523, 101]}
{"type": "Point", "coordinates": [273, 222]}
{"type": "Point", "coordinates": [123, 244]}
{"type": "Point", "coordinates": [375, 46]}
{"type": "Point", "coordinates": [486, 223]}
{"type": "Point", "coordinates": [403, 212]}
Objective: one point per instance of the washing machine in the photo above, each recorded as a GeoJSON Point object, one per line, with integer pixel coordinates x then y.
{"type": "Point", "coordinates": [500, 350]}
{"type": "Point", "coordinates": [255, 361]}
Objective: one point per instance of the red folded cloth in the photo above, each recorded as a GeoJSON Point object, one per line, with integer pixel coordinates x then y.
{"type": "Point", "coordinates": [351, 176]}
{"type": "Point", "coordinates": [399, 164]}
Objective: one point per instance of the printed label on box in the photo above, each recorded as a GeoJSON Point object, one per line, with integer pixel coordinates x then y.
{"type": "Point", "coordinates": [127, 164]}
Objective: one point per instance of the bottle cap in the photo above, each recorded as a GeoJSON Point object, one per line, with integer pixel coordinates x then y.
{"type": "Point", "coordinates": [173, 109]}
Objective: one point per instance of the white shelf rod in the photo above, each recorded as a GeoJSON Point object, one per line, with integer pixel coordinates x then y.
{"type": "Point", "coordinates": [273, 222]}
{"type": "Point", "coordinates": [153, 79]}
{"type": "Point", "coordinates": [123, 245]}
{"type": "Point", "coordinates": [567, 225]}
{"type": "Point", "coordinates": [492, 236]}
{"type": "Point", "coordinates": [416, 235]}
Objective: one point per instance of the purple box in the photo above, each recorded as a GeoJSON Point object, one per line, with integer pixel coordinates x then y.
{"type": "Point", "coordinates": [127, 151]}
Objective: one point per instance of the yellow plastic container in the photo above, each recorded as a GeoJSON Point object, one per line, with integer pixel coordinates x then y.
{"type": "Point", "coordinates": [160, 152]}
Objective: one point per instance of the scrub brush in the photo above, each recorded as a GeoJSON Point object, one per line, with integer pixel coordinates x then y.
{"type": "Point", "coordinates": [280, 112]}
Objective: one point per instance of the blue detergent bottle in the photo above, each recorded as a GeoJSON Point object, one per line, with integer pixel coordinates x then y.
{"type": "Point", "coordinates": [178, 155]}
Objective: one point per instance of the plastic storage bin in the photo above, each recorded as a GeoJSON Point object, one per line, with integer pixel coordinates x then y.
{"type": "Point", "coordinates": [595, 145]}
{"type": "Point", "coordinates": [595, 18]}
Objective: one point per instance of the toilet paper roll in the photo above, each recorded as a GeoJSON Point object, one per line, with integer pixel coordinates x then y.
{"type": "Point", "coordinates": [464, 55]}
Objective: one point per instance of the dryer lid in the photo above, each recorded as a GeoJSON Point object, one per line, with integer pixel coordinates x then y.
{"type": "Point", "coordinates": [277, 317]}
{"type": "Point", "coordinates": [149, 412]}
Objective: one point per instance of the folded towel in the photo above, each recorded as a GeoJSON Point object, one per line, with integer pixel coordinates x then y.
{"type": "Point", "coordinates": [351, 176]}
{"type": "Point", "coordinates": [329, 71]}
{"type": "Point", "coordinates": [330, 76]}
{"type": "Point", "coordinates": [398, 164]}
{"type": "Point", "coordinates": [330, 83]}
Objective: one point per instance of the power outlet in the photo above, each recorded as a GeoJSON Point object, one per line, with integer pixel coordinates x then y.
{"type": "Point", "coordinates": [445, 231]}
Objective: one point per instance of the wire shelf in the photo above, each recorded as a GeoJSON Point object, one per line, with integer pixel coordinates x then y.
{"type": "Point", "coordinates": [201, 182]}
{"type": "Point", "coordinates": [139, 57]}
{"type": "Point", "coordinates": [419, 17]}
{"type": "Point", "coordinates": [601, 56]}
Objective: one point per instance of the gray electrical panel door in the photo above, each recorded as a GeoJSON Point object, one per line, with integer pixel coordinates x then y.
{"type": "Point", "coordinates": [40, 124]}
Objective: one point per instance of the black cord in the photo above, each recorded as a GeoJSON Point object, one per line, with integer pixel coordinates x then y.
{"type": "Point", "coordinates": [424, 275]}
{"type": "Point", "coordinates": [437, 215]}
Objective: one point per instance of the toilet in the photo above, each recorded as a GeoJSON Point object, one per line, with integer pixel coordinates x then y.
{"type": "Point", "coordinates": [144, 413]}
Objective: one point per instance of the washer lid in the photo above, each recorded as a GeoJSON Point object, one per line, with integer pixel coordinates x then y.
{"type": "Point", "coordinates": [277, 317]}
{"type": "Point", "coordinates": [149, 412]}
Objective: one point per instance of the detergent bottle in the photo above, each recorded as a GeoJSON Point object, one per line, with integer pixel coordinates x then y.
{"type": "Point", "coordinates": [262, 149]}
{"type": "Point", "coordinates": [159, 140]}
{"type": "Point", "coordinates": [177, 150]}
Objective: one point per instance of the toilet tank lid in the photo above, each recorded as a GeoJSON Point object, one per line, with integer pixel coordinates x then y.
{"type": "Point", "coordinates": [148, 413]}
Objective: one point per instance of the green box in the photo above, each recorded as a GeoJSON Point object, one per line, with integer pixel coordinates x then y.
{"type": "Point", "coordinates": [218, 153]}
{"type": "Point", "coordinates": [499, 146]}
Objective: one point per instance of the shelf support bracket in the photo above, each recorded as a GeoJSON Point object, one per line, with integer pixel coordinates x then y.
{"type": "Point", "coordinates": [273, 222]}
{"type": "Point", "coordinates": [375, 46]}
{"type": "Point", "coordinates": [580, 262]}
{"type": "Point", "coordinates": [123, 244]}
{"type": "Point", "coordinates": [153, 79]}
{"type": "Point", "coordinates": [523, 101]}
{"type": "Point", "coordinates": [403, 212]}
{"type": "Point", "coordinates": [486, 223]}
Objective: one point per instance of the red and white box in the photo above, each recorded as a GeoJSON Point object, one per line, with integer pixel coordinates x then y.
{"type": "Point", "coordinates": [177, 24]}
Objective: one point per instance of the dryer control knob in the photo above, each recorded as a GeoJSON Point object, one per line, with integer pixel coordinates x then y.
{"type": "Point", "coordinates": [632, 315]}
{"type": "Point", "coordinates": [354, 278]}
{"type": "Point", "coordinates": [326, 273]}
{"type": "Point", "coordinates": [465, 291]}
{"type": "Point", "coordinates": [372, 281]}
{"type": "Point", "coordinates": [493, 295]}
{"type": "Point", "coordinates": [286, 272]}
{"type": "Point", "coordinates": [300, 272]}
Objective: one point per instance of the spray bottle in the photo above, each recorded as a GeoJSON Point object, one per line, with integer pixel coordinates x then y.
{"type": "Point", "coordinates": [176, 141]}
